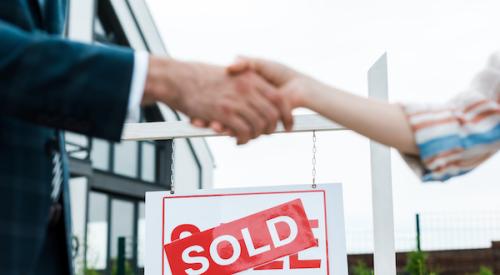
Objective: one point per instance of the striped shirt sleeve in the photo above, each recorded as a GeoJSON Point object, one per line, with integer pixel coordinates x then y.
{"type": "Point", "coordinates": [456, 137]}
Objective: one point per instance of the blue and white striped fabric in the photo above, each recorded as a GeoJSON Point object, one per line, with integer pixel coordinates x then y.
{"type": "Point", "coordinates": [455, 138]}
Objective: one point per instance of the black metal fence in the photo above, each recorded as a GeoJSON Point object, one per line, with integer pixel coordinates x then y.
{"type": "Point", "coordinates": [435, 231]}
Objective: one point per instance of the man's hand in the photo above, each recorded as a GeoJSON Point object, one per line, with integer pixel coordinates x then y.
{"type": "Point", "coordinates": [245, 105]}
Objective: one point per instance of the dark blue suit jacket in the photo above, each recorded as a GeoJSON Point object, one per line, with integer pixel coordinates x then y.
{"type": "Point", "coordinates": [47, 83]}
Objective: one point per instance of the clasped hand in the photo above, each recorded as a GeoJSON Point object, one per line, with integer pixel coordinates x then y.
{"type": "Point", "coordinates": [245, 100]}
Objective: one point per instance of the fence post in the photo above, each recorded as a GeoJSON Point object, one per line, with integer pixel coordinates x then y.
{"type": "Point", "coordinates": [417, 222]}
{"type": "Point", "coordinates": [495, 246]}
{"type": "Point", "coordinates": [120, 263]}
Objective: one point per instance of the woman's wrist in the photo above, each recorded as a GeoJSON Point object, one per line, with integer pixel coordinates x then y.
{"type": "Point", "coordinates": [311, 93]}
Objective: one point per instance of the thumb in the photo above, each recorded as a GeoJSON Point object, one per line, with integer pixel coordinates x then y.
{"type": "Point", "coordinates": [274, 72]}
{"type": "Point", "coordinates": [240, 65]}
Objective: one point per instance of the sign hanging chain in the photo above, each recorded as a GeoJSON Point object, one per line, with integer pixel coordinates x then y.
{"type": "Point", "coordinates": [314, 149]}
{"type": "Point", "coordinates": [172, 169]}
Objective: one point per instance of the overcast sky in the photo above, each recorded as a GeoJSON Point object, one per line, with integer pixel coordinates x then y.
{"type": "Point", "coordinates": [434, 49]}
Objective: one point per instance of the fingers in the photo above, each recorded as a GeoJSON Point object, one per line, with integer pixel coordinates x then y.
{"type": "Point", "coordinates": [221, 129]}
{"type": "Point", "coordinates": [251, 114]}
{"type": "Point", "coordinates": [268, 113]}
{"type": "Point", "coordinates": [261, 107]}
{"type": "Point", "coordinates": [253, 110]}
{"type": "Point", "coordinates": [287, 116]}
{"type": "Point", "coordinates": [239, 66]}
{"type": "Point", "coordinates": [216, 126]}
{"type": "Point", "coordinates": [273, 72]}
{"type": "Point", "coordinates": [269, 102]}
{"type": "Point", "coordinates": [241, 130]}
{"type": "Point", "coordinates": [280, 105]}
{"type": "Point", "coordinates": [200, 123]}
{"type": "Point", "coordinates": [231, 120]}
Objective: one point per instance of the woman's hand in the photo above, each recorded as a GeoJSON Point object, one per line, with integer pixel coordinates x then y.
{"type": "Point", "coordinates": [295, 86]}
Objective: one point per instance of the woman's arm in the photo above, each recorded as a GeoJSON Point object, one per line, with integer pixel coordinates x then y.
{"type": "Point", "coordinates": [383, 122]}
{"type": "Point", "coordinates": [438, 142]}
{"type": "Point", "coordinates": [380, 121]}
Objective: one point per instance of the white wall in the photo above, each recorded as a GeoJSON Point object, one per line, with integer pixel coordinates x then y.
{"type": "Point", "coordinates": [78, 199]}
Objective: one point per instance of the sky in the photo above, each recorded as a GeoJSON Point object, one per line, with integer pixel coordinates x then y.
{"type": "Point", "coordinates": [434, 49]}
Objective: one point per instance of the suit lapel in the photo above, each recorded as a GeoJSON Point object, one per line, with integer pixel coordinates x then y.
{"type": "Point", "coordinates": [50, 14]}
{"type": "Point", "coordinates": [36, 8]}
{"type": "Point", "coordinates": [42, 7]}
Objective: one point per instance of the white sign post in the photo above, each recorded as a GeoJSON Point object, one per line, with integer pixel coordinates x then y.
{"type": "Point", "coordinates": [176, 216]}
{"type": "Point", "coordinates": [383, 216]}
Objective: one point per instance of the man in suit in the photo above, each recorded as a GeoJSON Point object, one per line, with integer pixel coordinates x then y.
{"type": "Point", "coordinates": [49, 84]}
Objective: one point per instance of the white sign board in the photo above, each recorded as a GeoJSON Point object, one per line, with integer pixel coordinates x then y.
{"type": "Point", "coordinates": [180, 215]}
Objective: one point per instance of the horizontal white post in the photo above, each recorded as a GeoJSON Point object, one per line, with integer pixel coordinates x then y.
{"type": "Point", "coordinates": [183, 129]}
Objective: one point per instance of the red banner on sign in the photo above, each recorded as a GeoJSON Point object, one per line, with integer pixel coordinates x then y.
{"type": "Point", "coordinates": [244, 243]}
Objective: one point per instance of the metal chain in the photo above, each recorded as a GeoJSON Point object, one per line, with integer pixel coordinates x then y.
{"type": "Point", "coordinates": [314, 149]}
{"type": "Point", "coordinates": [172, 169]}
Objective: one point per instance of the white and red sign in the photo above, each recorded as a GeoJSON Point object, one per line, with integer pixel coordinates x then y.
{"type": "Point", "coordinates": [273, 230]}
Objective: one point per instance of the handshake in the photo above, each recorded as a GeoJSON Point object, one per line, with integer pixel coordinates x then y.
{"type": "Point", "coordinates": [244, 100]}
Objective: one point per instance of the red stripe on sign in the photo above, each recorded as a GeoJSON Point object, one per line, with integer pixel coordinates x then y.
{"type": "Point", "coordinates": [326, 230]}
{"type": "Point", "coordinates": [244, 243]}
{"type": "Point", "coordinates": [163, 237]}
{"type": "Point", "coordinates": [275, 265]}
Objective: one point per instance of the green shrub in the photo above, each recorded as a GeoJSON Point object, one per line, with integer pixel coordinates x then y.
{"type": "Point", "coordinates": [88, 271]}
{"type": "Point", "coordinates": [484, 271]}
{"type": "Point", "coordinates": [361, 269]}
{"type": "Point", "coordinates": [128, 268]}
{"type": "Point", "coordinates": [416, 264]}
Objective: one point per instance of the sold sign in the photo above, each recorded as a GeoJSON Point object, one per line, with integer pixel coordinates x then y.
{"type": "Point", "coordinates": [244, 243]}
{"type": "Point", "coordinates": [257, 230]}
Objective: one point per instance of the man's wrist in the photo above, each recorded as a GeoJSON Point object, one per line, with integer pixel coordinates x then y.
{"type": "Point", "coordinates": [161, 81]}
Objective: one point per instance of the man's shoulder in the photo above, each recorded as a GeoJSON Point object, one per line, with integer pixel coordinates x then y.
{"type": "Point", "coordinates": [31, 16]}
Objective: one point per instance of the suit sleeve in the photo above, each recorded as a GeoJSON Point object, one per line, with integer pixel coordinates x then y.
{"type": "Point", "coordinates": [67, 85]}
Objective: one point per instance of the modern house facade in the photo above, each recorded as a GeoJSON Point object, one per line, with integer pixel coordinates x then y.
{"type": "Point", "coordinates": [109, 180]}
